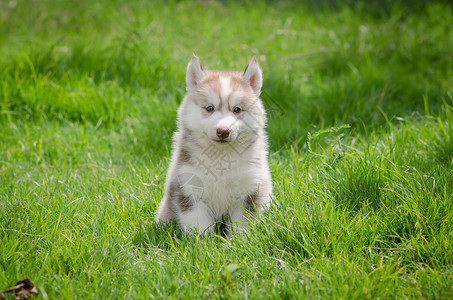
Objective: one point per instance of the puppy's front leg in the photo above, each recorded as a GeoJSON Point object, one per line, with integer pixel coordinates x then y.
{"type": "Point", "coordinates": [198, 218]}
{"type": "Point", "coordinates": [239, 219]}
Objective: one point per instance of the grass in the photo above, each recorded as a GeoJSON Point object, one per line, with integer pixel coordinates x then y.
{"type": "Point", "coordinates": [360, 107]}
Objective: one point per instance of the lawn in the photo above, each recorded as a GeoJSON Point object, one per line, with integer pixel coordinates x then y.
{"type": "Point", "coordinates": [360, 103]}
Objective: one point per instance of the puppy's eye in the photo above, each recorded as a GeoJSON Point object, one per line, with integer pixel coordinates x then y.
{"type": "Point", "coordinates": [210, 108]}
{"type": "Point", "coordinates": [237, 110]}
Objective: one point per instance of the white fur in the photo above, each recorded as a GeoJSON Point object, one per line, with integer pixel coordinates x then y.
{"type": "Point", "coordinates": [225, 88]}
{"type": "Point", "coordinates": [254, 75]}
{"type": "Point", "coordinates": [197, 219]}
{"type": "Point", "coordinates": [194, 73]}
{"type": "Point", "coordinates": [217, 180]}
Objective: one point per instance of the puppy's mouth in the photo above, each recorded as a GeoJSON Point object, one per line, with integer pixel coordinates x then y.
{"type": "Point", "coordinates": [221, 141]}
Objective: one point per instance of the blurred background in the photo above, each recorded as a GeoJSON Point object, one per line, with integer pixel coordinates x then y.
{"type": "Point", "coordinates": [121, 64]}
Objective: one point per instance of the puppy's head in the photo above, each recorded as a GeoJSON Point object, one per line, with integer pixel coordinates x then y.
{"type": "Point", "coordinates": [223, 106]}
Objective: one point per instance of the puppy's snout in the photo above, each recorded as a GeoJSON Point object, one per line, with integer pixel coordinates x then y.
{"type": "Point", "coordinates": [223, 133]}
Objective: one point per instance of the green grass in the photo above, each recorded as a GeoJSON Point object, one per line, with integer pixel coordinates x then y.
{"type": "Point", "coordinates": [360, 104]}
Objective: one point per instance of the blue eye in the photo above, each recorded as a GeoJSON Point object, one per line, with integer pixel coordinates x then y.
{"type": "Point", "coordinates": [210, 108]}
{"type": "Point", "coordinates": [237, 110]}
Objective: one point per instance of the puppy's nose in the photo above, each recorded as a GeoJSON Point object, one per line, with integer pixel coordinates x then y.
{"type": "Point", "coordinates": [223, 133]}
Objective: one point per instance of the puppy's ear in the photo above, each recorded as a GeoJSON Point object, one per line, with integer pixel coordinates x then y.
{"type": "Point", "coordinates": [254, 75]}
{"type": "Point", "coordinates": [194, 73]}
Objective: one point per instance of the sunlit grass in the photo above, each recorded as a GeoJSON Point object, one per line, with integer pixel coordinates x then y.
{"type": "Point", "coordinates": [360, 105]}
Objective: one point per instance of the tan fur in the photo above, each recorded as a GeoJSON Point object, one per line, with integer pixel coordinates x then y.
{"type": "Point", "coordinates": [213, 177]}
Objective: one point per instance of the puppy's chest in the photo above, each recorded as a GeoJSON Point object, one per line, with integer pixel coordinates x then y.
{"type": "Point", "coordinates": [216, 165]}
{"type": "Point", "coordinates": [225, 192]}
{"type": "Point", "coordinates": [223, 180]}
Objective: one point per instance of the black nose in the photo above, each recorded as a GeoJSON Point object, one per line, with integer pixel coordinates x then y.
{"type": "Point", "coordinates": [223, 133]}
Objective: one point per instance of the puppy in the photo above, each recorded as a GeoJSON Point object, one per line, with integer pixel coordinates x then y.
{"type": "Point", "coordinates": [219, 168]}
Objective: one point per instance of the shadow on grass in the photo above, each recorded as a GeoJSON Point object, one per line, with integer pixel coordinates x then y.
{"type": "Point", "coordinates": [443, 149]}
{"type": "Point", "coordinates": [359, 186]}
{"type": "Point", "coordinates": [158, 235]}
{"type": "Point", "coordinates": [168, 236]}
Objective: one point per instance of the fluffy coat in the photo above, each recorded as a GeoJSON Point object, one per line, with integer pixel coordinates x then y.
{"type": "Point", "coordinates": [219, 168]}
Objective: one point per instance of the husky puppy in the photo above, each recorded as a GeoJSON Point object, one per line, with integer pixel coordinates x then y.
{"type": "Point", "coordinates": [219, 168]}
